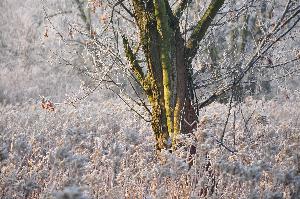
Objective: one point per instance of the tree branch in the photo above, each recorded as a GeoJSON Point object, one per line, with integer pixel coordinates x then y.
{"type": "Point", "coordinates": [201, 28]}
{"type": "Point", "coordinates": [120, 2]}
{"type": "Point", "coordinates": [136, 68]}
{"type": "Point", "coordinates": [261, 50]}
{"type": "Point", "coordinates": [173, 21]}
{"type": "Point", "coordinates": [139, 13]}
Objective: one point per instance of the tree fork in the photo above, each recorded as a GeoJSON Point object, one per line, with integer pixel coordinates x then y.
{"type": "Point", "coordinates": [166, 83]}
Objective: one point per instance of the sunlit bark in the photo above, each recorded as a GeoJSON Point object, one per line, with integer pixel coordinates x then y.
{"type": "Point", "coordinates": [168, 58]}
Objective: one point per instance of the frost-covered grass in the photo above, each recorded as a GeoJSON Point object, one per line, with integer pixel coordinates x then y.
{"type": "Point", "coordinates": [101, 150]}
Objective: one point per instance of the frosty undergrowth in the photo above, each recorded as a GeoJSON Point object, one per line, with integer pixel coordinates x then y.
{"type": "Point", "coordinates": [101, 150]}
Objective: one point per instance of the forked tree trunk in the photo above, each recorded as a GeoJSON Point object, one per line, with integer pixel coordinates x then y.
{"type": "Point", "coordinates": [167, 80]}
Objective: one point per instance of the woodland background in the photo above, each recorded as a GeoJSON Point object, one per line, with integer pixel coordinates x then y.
{"type": "Point", "coordinates": [94, 146]}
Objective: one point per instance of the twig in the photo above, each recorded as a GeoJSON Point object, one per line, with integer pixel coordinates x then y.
{"type": "Point", "coordinates": [227, 119]}
{"type": "Point", "coordinates": [226, 147]}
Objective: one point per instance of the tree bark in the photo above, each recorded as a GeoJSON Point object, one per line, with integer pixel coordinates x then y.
{"type": "Point", "coordinates": [168, 80]}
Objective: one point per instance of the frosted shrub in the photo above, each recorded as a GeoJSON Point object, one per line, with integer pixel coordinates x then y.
{"type": "Point", "coordinates": [88, 152]}
{"type": "Point", "coordinates": [70, 193]}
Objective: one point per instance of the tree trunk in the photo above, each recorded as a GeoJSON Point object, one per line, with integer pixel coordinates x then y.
{"type": "Point", "coordinates": [168, 80]}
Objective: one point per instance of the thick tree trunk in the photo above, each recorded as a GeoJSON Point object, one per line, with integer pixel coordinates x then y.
{"type": "Point", "coordinates": [167, 83]}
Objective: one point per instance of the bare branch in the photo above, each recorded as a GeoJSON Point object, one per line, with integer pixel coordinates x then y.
{"type": "Point", "coordinates": [59, 13]}
{"type": "Point", "coordinates": [131, 108]}
{"type": "Point", "coordinates": [227, 119]}
{"type": "Point", "coordinates": [280, 64]}
{"type": "Point", "coordinates": [125, 8]}
{"type": "Point", "coordinates": [265, 45]}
